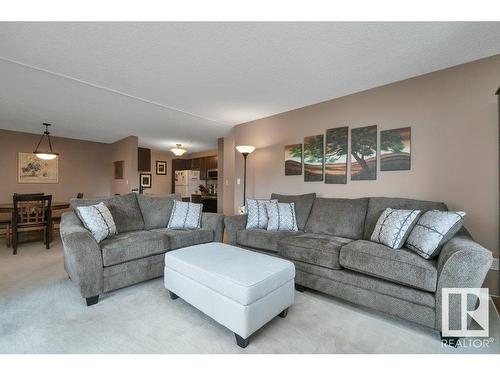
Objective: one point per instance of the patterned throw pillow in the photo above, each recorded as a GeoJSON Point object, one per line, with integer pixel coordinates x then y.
{"type": "Point", "coordinates": [185, 215]}
{"type": "Point", "coordinates": [98, 220]}
{"type": "Point", "coordinates": [394, 226]}
{"type": "Point", "coordinates": [257, 213]}
{"type": "Point", "coordinates": [433, 230]}
{"type": "Point", "coordinates": [281, 216]}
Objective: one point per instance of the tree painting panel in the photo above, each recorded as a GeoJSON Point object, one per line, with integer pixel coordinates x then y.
{"type": "Point", "coordinates": [313, 158]}
{"type": "Point", "coordinates": [395, 149]}
{"type": "Point", "coordinates": [364, 153]}
{"type": "Point", "coordinates": [293, 160]}
{"type": "Point", "coordinates": [32, 170]}
{"type": "Point", "coordinates": [336, 155]}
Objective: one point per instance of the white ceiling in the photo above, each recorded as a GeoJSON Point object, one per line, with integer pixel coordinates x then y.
{"type": "Point", "coordinates": [191, 82]}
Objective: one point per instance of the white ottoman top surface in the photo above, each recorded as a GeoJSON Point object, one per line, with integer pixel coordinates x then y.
{"type": "Point", "coordinates": [239, 274]}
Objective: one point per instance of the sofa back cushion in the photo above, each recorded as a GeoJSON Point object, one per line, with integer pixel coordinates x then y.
{"type": "Point", "coordinates": [377, 205]}
{"type": "Point", "coordinates": [124, 209]}
{"type": "Point", "coordinates": [338, 217]}
{"type": "Point", "coordinates": [303, 205]}
{"type": "Point", "coordinates": [156, 210]}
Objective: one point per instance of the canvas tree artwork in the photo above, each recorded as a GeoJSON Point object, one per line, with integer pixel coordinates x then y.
{"type": "Point", "coordinates": [336, 155]}
{"type": "Point", "coordinates": [293, 160]}
{"type": "Point", "coordinates": [313, 158]}
{"type": "Point", "coordinates": [364, 153]}
{"type": "Point", "coordinates": [395, 149]}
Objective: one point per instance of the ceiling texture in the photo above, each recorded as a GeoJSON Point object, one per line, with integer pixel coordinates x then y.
{"type": "Point", "coordinates": [190, 83]}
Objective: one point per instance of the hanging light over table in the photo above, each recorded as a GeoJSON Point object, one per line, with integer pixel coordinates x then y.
{"type": "Point", "coordinates": [49, 154]}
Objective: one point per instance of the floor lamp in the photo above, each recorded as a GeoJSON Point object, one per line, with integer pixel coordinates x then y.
{"type": "Point", "coordinates": [245, 151]}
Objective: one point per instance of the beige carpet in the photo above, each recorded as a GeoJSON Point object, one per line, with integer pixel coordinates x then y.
{"type": "Point", "coordinates": [41, 311]}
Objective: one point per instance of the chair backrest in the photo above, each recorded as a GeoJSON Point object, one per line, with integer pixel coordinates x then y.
{"type": "Point", "coordinates": [31, 209]}
{"type": "Point", "coordinates": [29, 194]}
{"type": "Point", "coordinates": [79, 196]}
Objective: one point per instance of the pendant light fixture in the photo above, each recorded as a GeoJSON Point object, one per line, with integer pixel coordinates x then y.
{"type": "Point", "coordinates": [178, 151]}
{"type": "Point", "coordinates": [49, 154]}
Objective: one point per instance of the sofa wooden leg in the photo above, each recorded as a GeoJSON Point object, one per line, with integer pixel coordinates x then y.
{"type": "Point", "coordinates": [284, 313]}
{"type": "Point", "coordinates": [172, 295]}
{"type": "Point", "coordinates": [299, 288]}
{"type": "Point", "coordinates": [92, 300]}
{"type": "Point", "coordinates": [242, 343]}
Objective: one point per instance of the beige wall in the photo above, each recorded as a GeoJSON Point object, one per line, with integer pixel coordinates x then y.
{"type": "Point", "coordinates": [83, 167]}
{"type": "Point", "coordinates": [161, 184]}
{"type": "Point", "coordinates": [453, 118]}
{"type": "Point", "coordinates": [125, 149]}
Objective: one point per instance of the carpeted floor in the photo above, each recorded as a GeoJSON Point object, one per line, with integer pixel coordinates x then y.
{"type": "Point", "coordinates": [41, 311]}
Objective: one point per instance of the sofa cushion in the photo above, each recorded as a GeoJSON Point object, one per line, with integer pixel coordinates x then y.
{"type": "Point", "coordinates": [132, 245]}
{"type": "Point", "coordinates": [377, 205]}
{"type": "Point", "coordinates": [281, 216]}
{"type": "Point", "coordinates": [124, 209]}
{"type": "Point", "coordinates": [262, 239]}
{"type": "Point", "coordinates": [401, 266]}
{"type": "Point", "coordinates": [338, 217]}
{"type": "Point", "coordinates": [303, 205]}
{"type": "Point", "coordinates": [156, 210]}
{"type": "Point", "coordinates": [186, 237]}
{"type": "Point", "coordinates": [318, 249]}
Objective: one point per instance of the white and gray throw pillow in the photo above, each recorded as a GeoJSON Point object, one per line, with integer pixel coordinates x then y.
{"type": "Point", "coordinates": [432, 231]}
{"type": "Point", "coordinates": [281, 216]}
{"type": "Point", "coordinates": [257, 213]}
{"type": "Point", "coordinates": [393, 227]}
{"type": "Point", "coordinates": [185, 215]}
{"type": "Point", "coordinates": [98, 220]}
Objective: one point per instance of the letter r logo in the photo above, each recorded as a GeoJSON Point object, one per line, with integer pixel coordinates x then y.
{"type": "Point", "coordinates": [470, 304]}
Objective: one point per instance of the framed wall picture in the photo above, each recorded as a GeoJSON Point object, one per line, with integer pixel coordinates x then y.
{"type": "Point", "coordinates": [395, 149]}
{"type": "Point", "coordinates": [161, 167]}
{"type": "Point", "coordinates": [364, 153]}
{"type": "Point", "coordinates": [336, 155]}
{"type": "Point", "coordinates": [118, 167]}
{"type": "Point", "coordinates": [293, 160]}
{"type": "Point", "coordinates": [32, 170]}
{"type": "Point", "coordinates": [313, 158]}
{"type": "Point", "coordinates": [145, 180]}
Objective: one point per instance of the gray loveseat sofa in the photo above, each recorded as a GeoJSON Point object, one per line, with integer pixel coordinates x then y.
{"type": "Point", "coordinates": [333, 254]}
{"type": "Point", "coordinates": [136, 253]}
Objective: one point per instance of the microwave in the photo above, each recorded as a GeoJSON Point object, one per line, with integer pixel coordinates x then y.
{"type": "Point", "coordinates": [212, 174]}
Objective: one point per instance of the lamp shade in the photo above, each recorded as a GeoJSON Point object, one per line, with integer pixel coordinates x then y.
{"type": "Point", "coordinates": [178, 151]}
{"type": "Point", "coordinates": [245, 149]}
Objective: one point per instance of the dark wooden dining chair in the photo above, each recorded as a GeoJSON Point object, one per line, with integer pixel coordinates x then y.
{"type": "Point", "coordinates": [31, 213]}
{"type": "Point", "coordinates": [56, 219]}
{"type": "Point", "coordinates": [5, 223]}
{"type": "Point", "coordinates": [79, 196]}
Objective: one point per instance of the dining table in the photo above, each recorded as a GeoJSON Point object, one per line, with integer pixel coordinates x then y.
{"type": "Point", "coordinates": [8, 207]}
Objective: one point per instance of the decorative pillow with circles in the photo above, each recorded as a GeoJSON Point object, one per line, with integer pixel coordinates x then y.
{"type": "Point", "coordinates": [433, 229]}
{"type": "Point", "coordinates": [394, 226]}
{"type": "Point", "coordinates": [185, 215]}
{"type": "Point", "coordinates": [98, 220]}
{"type": "Point", "coordinates": [257, 213]}
{"type": "Point", "coordinates": [281, 216]}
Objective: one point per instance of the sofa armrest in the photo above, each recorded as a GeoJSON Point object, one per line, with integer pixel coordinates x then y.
{"type": "Point", "coordinates": [82, 256]}
{"type": "Point", "coordinates": [462, 263]}
{"type": "Point", "coordinates": [233, 225]}
{"type": "Point", "coordinates": [214, 222]}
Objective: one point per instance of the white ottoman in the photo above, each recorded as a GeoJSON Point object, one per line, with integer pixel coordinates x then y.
{"type": "Point", "coordinates": [240, 289]}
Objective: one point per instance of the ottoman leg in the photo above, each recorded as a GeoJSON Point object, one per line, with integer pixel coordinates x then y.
{"type": "Point", "coordinates": [242, 343]}
{"type": "Point", "coordinates": [173, 295]}
{"type": "Point", "coordinates": [284, 313]}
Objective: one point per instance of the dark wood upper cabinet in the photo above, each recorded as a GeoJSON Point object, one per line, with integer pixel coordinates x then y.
{"type": "Point", "coordinates": [203, 168]}
{"type": "Point", "coordinates": [196, 164]}
{"type": "Point", "coordinates": [143, 159]}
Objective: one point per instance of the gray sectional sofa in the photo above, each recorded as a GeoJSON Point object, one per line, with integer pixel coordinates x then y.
{"type": "Point", "coordinates": [136, 253]}
{"type": "Point", "coordinates": [333, 254]}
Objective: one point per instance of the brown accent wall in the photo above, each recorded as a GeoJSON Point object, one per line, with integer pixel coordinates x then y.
{"type": "Point", "coordinates": [161, 184]}
{"type": "Point", "coordinates": [83, 167]}
{"type": "Point", "coordinates": [454, 130]}
{"type": "Point", "coordinates": [125, 149]}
